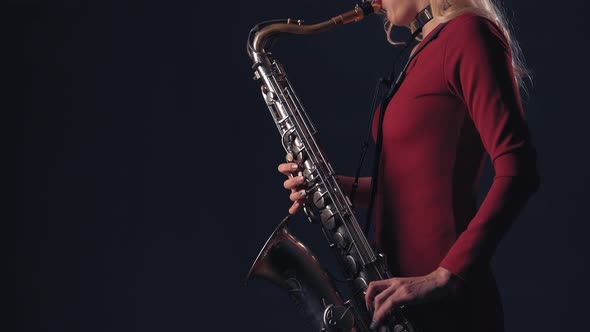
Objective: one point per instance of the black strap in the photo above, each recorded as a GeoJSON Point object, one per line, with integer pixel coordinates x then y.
{"type": "Point", "coordinates": [379, 139]}
{"type": "Point", "coordinates": [423, 17]}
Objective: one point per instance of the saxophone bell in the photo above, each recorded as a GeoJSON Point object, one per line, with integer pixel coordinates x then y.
{"type": "Point", "coordinates": [289, 264]}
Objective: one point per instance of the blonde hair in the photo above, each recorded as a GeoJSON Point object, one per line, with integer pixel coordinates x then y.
{"type": "Point", "coordinates": [445, 10]}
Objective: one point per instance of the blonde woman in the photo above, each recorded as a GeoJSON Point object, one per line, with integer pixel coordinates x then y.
{"type": "Point", "coordinates": [458, 104]}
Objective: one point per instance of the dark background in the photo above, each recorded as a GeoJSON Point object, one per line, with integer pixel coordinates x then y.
{"type": "Point", "coordinates": [142, 161]}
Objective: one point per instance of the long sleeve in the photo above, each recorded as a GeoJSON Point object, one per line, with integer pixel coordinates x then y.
{"type": "Point", "coordinates": [477, 69]}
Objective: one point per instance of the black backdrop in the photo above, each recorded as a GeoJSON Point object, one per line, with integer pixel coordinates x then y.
{"type": "Point", "coordinates": [143, 161]}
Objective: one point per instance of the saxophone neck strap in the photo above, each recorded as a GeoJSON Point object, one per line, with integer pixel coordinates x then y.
{"type": "Point", "coordinates": [423, 17]}
{"type": "Point", "coordinates": [421, 46]}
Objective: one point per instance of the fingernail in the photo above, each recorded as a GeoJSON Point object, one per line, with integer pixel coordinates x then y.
{"type": "Point", "coordinates": [300, 179]}
{"type": "Point", "coordinates": [294, 166]}
{"type": "Point", "coordinates": [302, 193]}
{"type": "Point", "coordinates": [373, 325]}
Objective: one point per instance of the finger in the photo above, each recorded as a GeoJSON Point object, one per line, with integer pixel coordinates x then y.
{"type": "Point", "coordinates": [293, 182]}
{"type": "Point", "coordinates": [297, 195]}
{"type": "Point", "coordinates": [384, 295]}
{"type": "Point", "coordinates": [288, 168]}
{"type": "Point", "coordinates": [294, 208]}
{"type": "Point", "coordinates": [383, 311]}
{"type": "Point", "coordinates": [374, 288]}
{"type": "Point", "coordinates": [402, 296]}
{"type": "Point", "coordinates": [392, 285]}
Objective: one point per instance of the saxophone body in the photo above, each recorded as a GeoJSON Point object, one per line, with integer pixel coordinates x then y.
{"type": "Point", "coordinates": [286, 261]}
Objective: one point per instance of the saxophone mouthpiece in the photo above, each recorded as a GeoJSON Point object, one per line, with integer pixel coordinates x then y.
{"type": "Point", "coordinates": [371, 6]}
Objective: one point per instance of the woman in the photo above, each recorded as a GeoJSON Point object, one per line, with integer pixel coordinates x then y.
{"type": "Point", "coordinates": [458, 104]}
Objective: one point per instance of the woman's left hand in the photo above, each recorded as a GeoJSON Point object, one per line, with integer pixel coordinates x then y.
{"type": "Point", "coordinates": [385, 295]}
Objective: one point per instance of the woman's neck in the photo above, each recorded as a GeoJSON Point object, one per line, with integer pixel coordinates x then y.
{"type": "Point", "coordinates": [426, 29]}
{"type": "Point", "coordinates": [429, 26]}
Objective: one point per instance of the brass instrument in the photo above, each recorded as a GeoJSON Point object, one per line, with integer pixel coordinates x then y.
{"type": "Point", "coordinates": [286, 261]}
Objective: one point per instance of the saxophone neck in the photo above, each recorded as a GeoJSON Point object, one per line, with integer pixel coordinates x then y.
{"type": "Point", "coordinates": [295, 27]}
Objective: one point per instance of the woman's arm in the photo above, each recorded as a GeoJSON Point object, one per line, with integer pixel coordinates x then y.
{"type": "Point", "coordinates": [478, 69]}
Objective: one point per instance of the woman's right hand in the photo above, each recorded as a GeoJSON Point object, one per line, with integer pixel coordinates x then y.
{"type": "Point", "coordinates": [294, 184]}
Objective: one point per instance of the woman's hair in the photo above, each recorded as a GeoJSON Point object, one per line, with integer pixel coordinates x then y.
{"type": "Point", "coordinates": [445, 10]}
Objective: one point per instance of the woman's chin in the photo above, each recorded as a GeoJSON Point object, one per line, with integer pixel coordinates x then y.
{"type": "Point", "coordinates": [400, 21]}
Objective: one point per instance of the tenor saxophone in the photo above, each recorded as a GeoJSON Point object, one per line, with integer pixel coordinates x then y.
{"type": "Point", "coordinates": [285, 260]}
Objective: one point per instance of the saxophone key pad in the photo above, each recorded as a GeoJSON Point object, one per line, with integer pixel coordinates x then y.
{"type": "Point", "coordinates": [309, 171]}
{"type": "Point", "coordinates": [350, 264]}
{"type": "Point", "coordinates": [319, 197]}
{"type": "Point", "coordinates": [328, 217]}
{"type": "Point", "coordinates": [298, 142]}
{"type": "Point", "coordinates": [337, 318]}
{"type": "Point", "coordinates": [298, 153]}
{"type": "Point", "coordinates": [340, 240]}
{"type": "Point", "coordinates": [361, 283]}
{"type": "Point", "coordinates": [311, 216]}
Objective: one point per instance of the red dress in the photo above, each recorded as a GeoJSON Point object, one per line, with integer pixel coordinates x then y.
{"type": "Point", "coordinates": [458, 104]}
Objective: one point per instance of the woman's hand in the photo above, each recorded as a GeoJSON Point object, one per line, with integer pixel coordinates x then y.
{"type": "Point", "coordinates": [383, 296]}
{"type": "Point", "coordinates": [298, 194]}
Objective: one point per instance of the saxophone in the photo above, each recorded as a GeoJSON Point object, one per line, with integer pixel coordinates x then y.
{"type": "Point", "coordinates": [284, 260]}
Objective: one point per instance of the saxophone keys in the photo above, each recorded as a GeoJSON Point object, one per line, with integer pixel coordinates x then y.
{"type": "Point", "coordinates": [289, 157]}
{"type": "Point", "coordinates": [340, 240]}
{"type": "Point", "coordinates": [338, 318]}
{"type": "Point", "coordinates": [311, 216]}
{"type": "Point", "coordinates": [361, 284]}
{"type": "Point", "coordinates": [319, 197]}
{"type": "Point", "coordinates": [399, 328]}
{"type": "Point", "coordinates": [351, 265]}
{"type": "Point", "coordinates": [328, 217]}
{"type": "Point", "coordinates": [296, 154]}
{"type": "Point", "coordinates": [299, 153]}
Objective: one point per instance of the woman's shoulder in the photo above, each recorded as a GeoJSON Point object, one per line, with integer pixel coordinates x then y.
{"type": "Point", "coordinates": [471, 27]}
